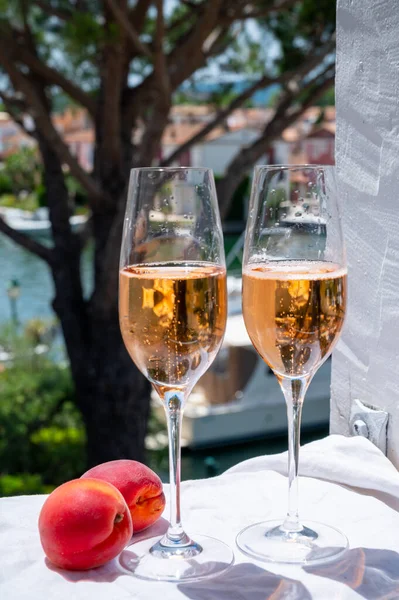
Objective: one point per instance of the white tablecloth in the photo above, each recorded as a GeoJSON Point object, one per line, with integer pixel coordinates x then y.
{"type": "Point", "coordinates": [345, 482]}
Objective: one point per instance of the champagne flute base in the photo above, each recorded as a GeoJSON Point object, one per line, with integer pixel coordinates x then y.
{"type": "Point", "coordinates": [314, 544]}
{"type": "Point", "coordinates": [205, 558]}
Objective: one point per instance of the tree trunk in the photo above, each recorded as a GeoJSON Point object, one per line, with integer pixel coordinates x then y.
{"type": "Point", "coordinates": [111, 393]}
{"type": "Point", "coordinates": [113, 396]}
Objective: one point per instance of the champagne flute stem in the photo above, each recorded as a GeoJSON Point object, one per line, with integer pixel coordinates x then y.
{"type": "Point", "coordinates": [173, 402]}
{"type": "Point", "coordinates": [294, 392]}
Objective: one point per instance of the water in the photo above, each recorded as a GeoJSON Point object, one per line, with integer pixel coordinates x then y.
{"type": "Point", "coordinates": [34, 278]}
{"type": "Point", "coordinates": [36, 287]}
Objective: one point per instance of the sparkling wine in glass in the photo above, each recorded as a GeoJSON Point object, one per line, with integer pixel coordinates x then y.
{"type": "Point", "coordinates": [173, 310]}
{"type": "Point", "coordinates": [294, 299]}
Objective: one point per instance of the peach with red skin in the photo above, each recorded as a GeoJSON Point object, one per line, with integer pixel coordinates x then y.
{"type": "Point", "coordinates": [138, 484]}
{"type": "Point", "coordinates": [84, 523]}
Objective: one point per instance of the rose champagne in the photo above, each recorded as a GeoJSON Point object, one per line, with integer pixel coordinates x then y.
{"type": "Point", "coordinates": [294, 311]}
{"type": "Point", "coordinates": [172, 319]}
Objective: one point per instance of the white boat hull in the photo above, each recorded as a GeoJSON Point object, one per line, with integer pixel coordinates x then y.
{"type": "Point", "coordinates": [260, 412]}
{"type": "Point", "coordinates": [37, 224]}
{"type": "Point", "coordinates": [223, 409]}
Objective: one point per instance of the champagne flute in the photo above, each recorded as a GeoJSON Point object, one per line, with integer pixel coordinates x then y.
{"type": "Point", "coordinates": [294, 298]}
{"type": "Point", "coordinates": [172, 311]}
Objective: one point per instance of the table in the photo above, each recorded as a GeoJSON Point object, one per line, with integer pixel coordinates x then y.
{"type": "Point", "coordinates": [345, 482]}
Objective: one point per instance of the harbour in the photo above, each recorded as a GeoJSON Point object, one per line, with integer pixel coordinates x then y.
{"type": "Point", "coordinates": [205, 456]}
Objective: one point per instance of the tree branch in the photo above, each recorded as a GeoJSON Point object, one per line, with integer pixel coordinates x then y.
{"type": "Point", "coordinates": [286, 114]}
{"type": "Point", "coordinates": [220, 118]}
{"type": "Point", "coordinates": [26, 242]}
{"type": "Point", "coordinates": [182, 19]}
{"type": "Point", "coordinates": [277, 6]}
{"type": "Point", "coordinates": [45, 126]}
{"type": "Point", "coordinates": [46, 421]}
{"type": "Point", "coordinates": [113, 71]}
{"type": "Point", "coordinates": [122, 19]}
{"type": "Point", "coordinates": [162, 95]}
{"type": "Point", "coordinates": [9, 43]}
{"type": "Point", "coordinates": [313, 61]}
{"type": "Point", "coordinates": [191, 51]}
{"type": "Point", "coordinates": [160, 66]}
{"type": "Point", "coordinates": [189, 55]}
{"type": "Point", "coordinates": [52, 11]}
{"type": "Point", "coordinates": [137, 15]}
{"type": "Point", "coordinates": [15, 107]}
{"type": "Point", "coordinates": [186, 57]}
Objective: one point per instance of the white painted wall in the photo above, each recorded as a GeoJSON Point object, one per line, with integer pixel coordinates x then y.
{"type": "Point", "coordinates": [366, 363]}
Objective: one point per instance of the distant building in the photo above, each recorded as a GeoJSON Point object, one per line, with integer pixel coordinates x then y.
{"type": "Point", "coordinates": [73, 124]}
{"type": "Point", "coordinates": [81, 145]}
{"type": "Point", "coordinates": [12, 137]}
{"type": "Point", "coordinates": [309, 140]}
{"type": "Point", "coordinates": [72, 119]}
{"type": "Point", "coordinates": [218, 148]}
{"type": "Point", "coordinates": [215, 151]}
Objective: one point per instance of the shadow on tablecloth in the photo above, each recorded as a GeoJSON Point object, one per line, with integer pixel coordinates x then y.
{"type": "Point", "coordinates": [372, 573]}
{"type": "Point", "coordinates": [246, 580]}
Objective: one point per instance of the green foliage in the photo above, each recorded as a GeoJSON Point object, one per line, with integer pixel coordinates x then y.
{"type": "Point", "coordinates": [5, 183]}
{"type": "Point", "coordinates": [157, 454]}
{"type": "Point", "coordinates": [274, 98]}
{"type": "Point", "coordinates": [15, 182]}
{"type": "Point", "coordinates": [9, 9]}
{"type": "Point", "coordinates": [245, 55]}
{"type": "Point", "coordinates": [27, 202]}
{"type": "Point", "coordinates": [75, 191]}
{"type": "Point", "coordinates": [40, 331]}
{"type": "Point", "coordinates": [9, 201]}
{"type": "Point", "coordinates": [298, 30]}
{"type": "Point", "coordinates": [30, 396]}
{"type": "Point", "coordinates": [316, 17]}
{"type": "Point", "coordinates": [328, 99]}
{"type": "Point", "coordinates": [41, 195]}
{"type": "Point", "coordinates": [24, 170]}
{"type": "Point", "coordinates": [82, 35]}
{"type": "Point", "coordinates": [275, 198]}
{"type": "Point", "coordinates": [58, 453]}
{"type": "Point", "coordinates": [41, 430]}
{"type": "Point", "coordinates": [240, 200]}
{"type": "Point", "coordinates": [17, 485]}
{"type": "Point", "coordinates": [180, 22]}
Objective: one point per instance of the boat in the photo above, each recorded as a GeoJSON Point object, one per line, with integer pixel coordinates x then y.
{"type": "Point", "coordinates": [302, 216]}
{"type": "Point", "coordinates": [37, 222]}
{"type": "Point", "coordinates": [239, 398]}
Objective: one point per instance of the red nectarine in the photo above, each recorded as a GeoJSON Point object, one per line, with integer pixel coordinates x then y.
{"type": "Point", "coordinates": [138, 484]}
{"type": "Point", "coordinates": [84, 523]}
